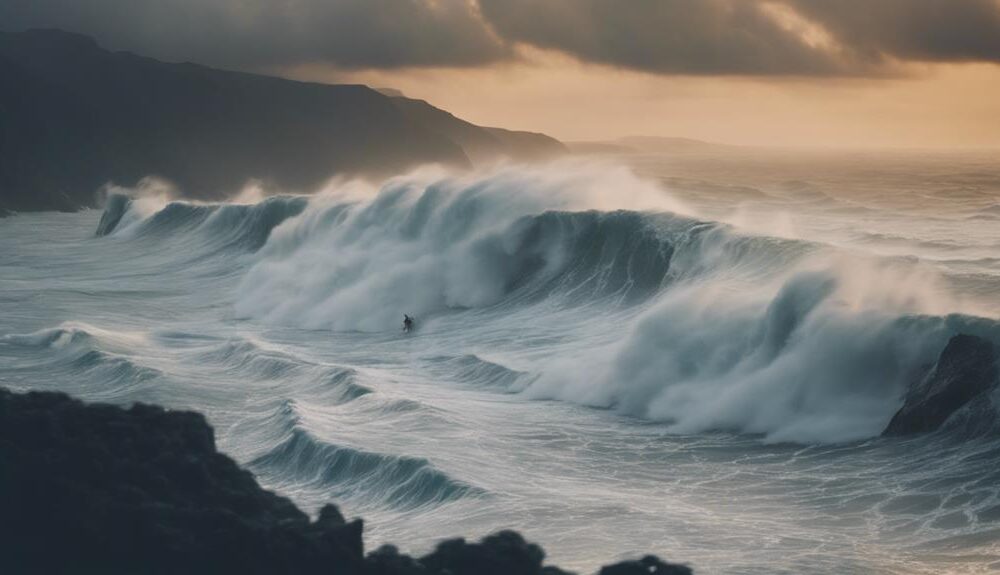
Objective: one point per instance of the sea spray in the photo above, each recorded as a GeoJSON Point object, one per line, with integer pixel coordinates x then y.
{"type": "Point", "coordinates": [789, 339]}
{"type": "Point", "coordinates": [426, 245]}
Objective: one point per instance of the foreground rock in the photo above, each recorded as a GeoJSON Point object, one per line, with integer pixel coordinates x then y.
{"type": "Point", "coordinates": [964, 378]}
{"type": "Point", "coordinates": [101, 489]}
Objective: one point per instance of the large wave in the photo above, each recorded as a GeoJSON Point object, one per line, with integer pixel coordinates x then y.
{"type": "Point", "coordinates": [814, 362]}
{"type": "Point", "coordinates": [717, 329]}
{"type": "Point", "coordinates": [428, 243]}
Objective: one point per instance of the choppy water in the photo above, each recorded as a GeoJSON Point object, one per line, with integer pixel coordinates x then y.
{"type": "Point", "coordinates": [698, 368]}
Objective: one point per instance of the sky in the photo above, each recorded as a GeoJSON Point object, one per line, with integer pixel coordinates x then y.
{"type": "Point", "coordinates": [841, 73]}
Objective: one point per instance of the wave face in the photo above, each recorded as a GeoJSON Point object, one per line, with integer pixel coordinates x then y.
{"type": "Point", "coordinates": [346, 472]}
{"type": "Point", "coordinates": [747, 343]}
{"type": "Point", "coordinates": [356, 275]}
{"type": "Point", "coordinates": [788, 339]}
{"type": "Point", "coordinates": [218, 226]}
{"type": "Point", "coordinates": [804, 366]}
{"type": "Point", "coordinates": [438, 244]}
{"type": "Point", "coordinates": [718, 329]}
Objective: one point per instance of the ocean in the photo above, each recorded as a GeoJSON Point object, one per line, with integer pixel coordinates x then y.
{"type": "Point", "coordinates": [691, 355]}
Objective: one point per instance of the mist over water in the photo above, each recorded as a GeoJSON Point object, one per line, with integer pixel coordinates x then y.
{"type": "Point", "coordinates": [744, 327]}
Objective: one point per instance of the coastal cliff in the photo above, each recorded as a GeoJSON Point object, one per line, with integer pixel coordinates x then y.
{"type": "Point", "coordinates": [76, 116]}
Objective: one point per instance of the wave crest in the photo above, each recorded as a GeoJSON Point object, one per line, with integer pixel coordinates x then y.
{"type": "Point", "coordinates": [812, 362]}
{"type": "Point", "coordinates": [429, 246]}
{"type": "Point", "coordinates": [396, 481]}
{"type": "Point", "coordinates": [211, 226]}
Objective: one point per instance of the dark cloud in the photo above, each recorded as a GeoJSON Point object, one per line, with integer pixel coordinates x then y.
{"type": "Point", "coordinates": [251, 33]}
{"type": "Point", "coordinates": [667, 36]}
{"type": "Point", "coordinates": [924, 30]}
{"type": "Point", "coordinates": [705, 37]}
{"type": "Point", "coordinates": [750, 37]}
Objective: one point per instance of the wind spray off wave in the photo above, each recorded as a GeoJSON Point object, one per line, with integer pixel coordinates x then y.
{"type": "Point", "coordinates": [665, 317]}
{"type": "Point", "coordinates": [430, 242]}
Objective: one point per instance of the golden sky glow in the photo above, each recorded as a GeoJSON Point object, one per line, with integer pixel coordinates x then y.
{"type": "Point", "coordinates": [923, 73]}
{"type": "Point", "coordinates": [933, 105]}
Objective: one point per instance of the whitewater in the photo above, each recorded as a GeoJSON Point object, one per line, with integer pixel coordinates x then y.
{"type": "Point", "coordinates": [688, 356]}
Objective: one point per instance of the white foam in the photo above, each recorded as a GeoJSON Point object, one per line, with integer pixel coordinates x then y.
{"type": "Point", "coordinates": [821, 353]}
{"type": "Point", "coordinates": [422, 243]}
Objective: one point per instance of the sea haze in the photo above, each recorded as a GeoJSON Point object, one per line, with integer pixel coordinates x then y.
{"type": "Point", "coordinates": [692, 353]}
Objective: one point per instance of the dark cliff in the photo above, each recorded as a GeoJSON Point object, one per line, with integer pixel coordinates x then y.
{"type": "Point", "coordinates": [74, 116]}
{"type": "Point", "coordinates": [480, 144]}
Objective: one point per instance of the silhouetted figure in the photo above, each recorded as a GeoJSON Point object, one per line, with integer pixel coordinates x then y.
{"type": "Point", "coordinates": [407, 323]}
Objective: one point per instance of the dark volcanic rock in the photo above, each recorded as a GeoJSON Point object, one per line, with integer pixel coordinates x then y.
{"type": "Point", "coordinates": [498, 554]}
{"type": "Point", "coordinates": [102, 489]}
{"type": "Point", "coordinates": [648, 565]}
{"type": "Point", "coordinates": [502, 553]}
{"type": "Point", "coordinates": [966, 372]}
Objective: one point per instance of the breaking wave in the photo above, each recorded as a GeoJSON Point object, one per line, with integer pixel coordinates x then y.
{"type": "Point", "coordinates": [717, 329]}
{"type": "Point", "coordinates": [87, 355]}
{"type": "Point", "coordinates": [218, 226]}
{"type": "Point", "coordinates": [807, 365]}
{"type": "Point", "coordinates": [345, 472]}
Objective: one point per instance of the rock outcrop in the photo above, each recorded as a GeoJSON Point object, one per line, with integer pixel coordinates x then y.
{"type": "Point", "coordinates": [102, 489]}
{"type": "Point", "coordinates": [966, 374]}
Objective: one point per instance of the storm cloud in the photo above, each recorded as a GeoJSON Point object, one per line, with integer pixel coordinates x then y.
{"type": "Point", "coordinates": [923, 30]}
{"type": "Point", "coordinates": [690, 37]}
{"type": "Point", "coordinates": [668, 36]}
{"type": "Point", "coordinates": [253, 33]}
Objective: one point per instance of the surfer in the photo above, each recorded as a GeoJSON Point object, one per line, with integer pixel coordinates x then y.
{"type": "Point", "coordinates": [407, 323]}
